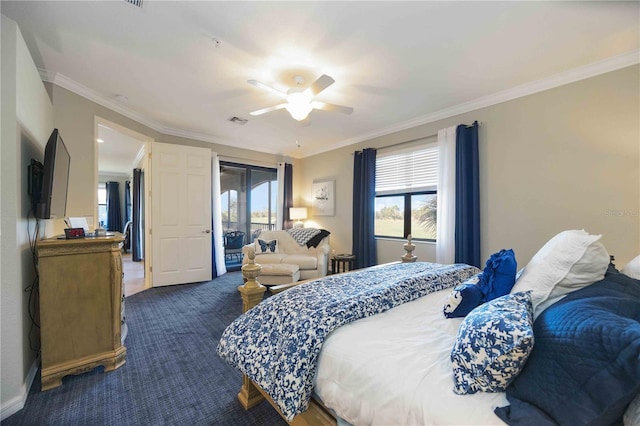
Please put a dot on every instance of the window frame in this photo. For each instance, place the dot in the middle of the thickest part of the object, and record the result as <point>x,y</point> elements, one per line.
<point>407,215</point>
<point>428,187</point>
<point>248,188</point>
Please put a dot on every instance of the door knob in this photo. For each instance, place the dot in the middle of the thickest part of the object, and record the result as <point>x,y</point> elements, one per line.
<point>207,231</point>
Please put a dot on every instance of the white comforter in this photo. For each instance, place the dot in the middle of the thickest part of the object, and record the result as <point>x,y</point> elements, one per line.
<point>394,369</point>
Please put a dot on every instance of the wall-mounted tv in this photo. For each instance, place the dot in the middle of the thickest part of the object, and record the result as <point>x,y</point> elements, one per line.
<point>55,179</point>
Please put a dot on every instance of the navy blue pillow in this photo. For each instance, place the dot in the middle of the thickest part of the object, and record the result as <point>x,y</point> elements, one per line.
<point>464,298</point>
<point>499,275</point>
<point>585,365</point>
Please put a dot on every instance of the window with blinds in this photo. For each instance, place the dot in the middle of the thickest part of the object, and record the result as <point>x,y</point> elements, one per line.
<point>412,171</point>
<point>406,193</point>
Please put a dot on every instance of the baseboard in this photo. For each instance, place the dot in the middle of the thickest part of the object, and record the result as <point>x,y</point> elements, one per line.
<point>16,404</point>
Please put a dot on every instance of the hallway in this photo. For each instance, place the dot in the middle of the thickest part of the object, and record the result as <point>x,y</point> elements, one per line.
<point>133,275</point>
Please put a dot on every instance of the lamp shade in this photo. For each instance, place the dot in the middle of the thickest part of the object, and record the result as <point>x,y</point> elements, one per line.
<point>297,213</point>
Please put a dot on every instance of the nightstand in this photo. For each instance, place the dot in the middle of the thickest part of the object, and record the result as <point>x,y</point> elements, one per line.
<point>343,263</point>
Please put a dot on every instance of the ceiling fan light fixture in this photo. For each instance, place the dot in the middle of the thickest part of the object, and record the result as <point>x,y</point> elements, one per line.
<point>298,105</point>
<point>300,102</point>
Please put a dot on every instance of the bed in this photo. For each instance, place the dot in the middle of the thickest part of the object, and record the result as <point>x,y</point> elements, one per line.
<point>388,356</point>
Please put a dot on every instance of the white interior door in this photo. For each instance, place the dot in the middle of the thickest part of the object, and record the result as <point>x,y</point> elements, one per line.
<point>181,214</point>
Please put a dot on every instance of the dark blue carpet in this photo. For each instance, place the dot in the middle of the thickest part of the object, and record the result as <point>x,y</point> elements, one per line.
<point>172,375</point>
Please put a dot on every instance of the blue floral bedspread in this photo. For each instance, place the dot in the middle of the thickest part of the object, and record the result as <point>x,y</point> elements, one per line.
<point>276,344</point>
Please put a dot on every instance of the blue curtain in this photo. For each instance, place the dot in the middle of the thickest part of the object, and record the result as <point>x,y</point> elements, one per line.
<point>114,213</point>
<point>127,215</point>
<point>137,207</point>
<point>467,229</point>
<point>364,194</point>
<point>127,201</point>
<point>288,195</point>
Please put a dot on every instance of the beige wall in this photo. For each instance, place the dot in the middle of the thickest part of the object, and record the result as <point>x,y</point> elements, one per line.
<point>27,121</point>
<point>565,158</point>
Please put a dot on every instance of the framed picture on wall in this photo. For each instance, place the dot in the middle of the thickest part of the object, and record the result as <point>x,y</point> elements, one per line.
<point>323,198</point>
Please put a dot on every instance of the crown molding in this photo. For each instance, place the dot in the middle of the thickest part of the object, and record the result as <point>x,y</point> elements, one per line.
<point>113,174</point>
<point>557,80</point>
<point>90,94</point>
<point>570,76</point>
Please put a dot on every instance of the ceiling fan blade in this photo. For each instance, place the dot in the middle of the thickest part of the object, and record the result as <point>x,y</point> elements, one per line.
<point>331,107</point>
<point>320,84</point>
<point>273,90</point>
<point>266,110</point>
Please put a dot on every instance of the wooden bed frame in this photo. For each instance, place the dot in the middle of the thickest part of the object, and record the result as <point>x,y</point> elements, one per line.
<point>252,293</point>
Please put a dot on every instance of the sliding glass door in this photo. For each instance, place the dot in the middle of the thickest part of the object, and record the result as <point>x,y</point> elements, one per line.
<point>249,198</point>
<point>234,197</point>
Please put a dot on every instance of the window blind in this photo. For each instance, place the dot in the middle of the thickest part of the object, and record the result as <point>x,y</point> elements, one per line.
<point>407,171</point>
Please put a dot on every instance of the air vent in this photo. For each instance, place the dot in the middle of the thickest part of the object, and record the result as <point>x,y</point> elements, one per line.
<point>238,120</point>
<point>137,3</point>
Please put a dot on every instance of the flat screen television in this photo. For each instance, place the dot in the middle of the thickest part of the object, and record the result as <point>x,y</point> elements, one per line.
<point>55,179</point>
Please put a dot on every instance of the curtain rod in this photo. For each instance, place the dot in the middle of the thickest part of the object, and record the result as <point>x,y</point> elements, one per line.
<point>247,161</point>
<point>409,141</point>
<point>420,138</point>
<point>401,143</point>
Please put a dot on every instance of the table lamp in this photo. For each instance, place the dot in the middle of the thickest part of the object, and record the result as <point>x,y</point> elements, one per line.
<point>298,214</point>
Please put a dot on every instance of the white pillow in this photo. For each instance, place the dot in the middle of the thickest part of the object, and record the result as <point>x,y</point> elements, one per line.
<point>632,269</point>
<point>567,262</point>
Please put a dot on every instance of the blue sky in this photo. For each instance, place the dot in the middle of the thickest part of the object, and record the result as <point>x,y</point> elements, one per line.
<point>259,200</point>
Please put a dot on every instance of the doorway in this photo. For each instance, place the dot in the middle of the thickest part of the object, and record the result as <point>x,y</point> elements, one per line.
<point>249,205</point>
<point>122,158</point>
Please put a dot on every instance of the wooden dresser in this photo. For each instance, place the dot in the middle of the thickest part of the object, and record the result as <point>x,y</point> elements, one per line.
<point>80,306</point>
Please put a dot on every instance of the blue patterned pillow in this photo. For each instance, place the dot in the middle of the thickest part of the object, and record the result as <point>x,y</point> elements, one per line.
<point>263,246</point>
<point>493,344</point>
<point>463,298</point>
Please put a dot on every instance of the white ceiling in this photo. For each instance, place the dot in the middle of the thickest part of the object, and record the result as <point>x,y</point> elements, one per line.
<point>398,64</point>
<point>118,153</point>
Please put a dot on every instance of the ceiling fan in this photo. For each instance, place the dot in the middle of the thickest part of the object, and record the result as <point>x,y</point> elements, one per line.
<point>300,101</point>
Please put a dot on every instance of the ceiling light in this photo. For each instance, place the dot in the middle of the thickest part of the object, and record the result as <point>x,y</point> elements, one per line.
<point>298,105</point>
<point>99,140</point>
<point>300,101</point>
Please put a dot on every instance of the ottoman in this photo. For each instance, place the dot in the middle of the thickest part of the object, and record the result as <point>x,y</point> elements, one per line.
<point>279,273</point>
